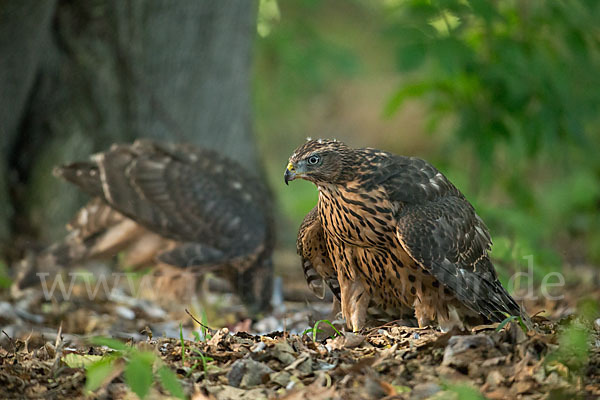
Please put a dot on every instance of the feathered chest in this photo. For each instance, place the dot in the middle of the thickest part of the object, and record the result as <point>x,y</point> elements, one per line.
<point>358,217</point>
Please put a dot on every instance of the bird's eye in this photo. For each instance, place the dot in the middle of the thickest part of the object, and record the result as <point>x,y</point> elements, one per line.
<point>313,160</point>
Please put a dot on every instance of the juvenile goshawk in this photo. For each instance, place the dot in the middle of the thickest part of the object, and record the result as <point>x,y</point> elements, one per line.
<point>395,231</point>
<point>176,204</point>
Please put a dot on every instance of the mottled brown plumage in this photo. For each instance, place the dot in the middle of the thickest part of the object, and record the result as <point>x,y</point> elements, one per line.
<point>178,204</point>
<point>319,271</point>
<point>316,263</point>
<point>399,234</point>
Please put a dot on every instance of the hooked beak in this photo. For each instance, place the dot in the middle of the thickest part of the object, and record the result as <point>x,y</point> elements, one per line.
<point>290,173</point>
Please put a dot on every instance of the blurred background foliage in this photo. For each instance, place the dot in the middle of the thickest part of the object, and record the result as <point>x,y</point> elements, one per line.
<point>502,96</point>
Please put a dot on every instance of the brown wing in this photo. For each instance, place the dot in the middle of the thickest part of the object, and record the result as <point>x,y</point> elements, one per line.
<point>193,196</point>
<point>312,248</point>
<point>440,230</point>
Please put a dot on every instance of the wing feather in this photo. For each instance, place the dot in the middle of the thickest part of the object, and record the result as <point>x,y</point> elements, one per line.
<point>181,192</point>
<point>441,231</point>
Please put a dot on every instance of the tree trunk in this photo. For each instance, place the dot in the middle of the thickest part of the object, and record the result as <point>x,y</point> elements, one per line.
<point>78,76</point>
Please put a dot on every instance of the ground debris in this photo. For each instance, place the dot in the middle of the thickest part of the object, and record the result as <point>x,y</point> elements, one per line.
<point>248,373</point>
<point>461,350</point>
<point>413,364</point>
<point>387,361</point>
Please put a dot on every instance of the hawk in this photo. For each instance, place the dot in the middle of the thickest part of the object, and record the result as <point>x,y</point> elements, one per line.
<point>394,231</point>
<point>178,205</point>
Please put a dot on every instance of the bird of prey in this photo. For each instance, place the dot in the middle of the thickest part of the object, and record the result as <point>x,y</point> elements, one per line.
<point>395,231</point>
<point>174,204</point>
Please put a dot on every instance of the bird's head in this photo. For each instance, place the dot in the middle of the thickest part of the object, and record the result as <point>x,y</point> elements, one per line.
<point>320,161</point>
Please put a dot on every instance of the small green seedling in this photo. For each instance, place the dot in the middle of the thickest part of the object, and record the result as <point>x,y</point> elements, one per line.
<point>182,344</point>
<point>204,326</point>
<point>315,329</point>
<point>201,360</point>
<point>510,318</point>
<point>197,336</point>
<point>205,330</point>
<point>138,369</point>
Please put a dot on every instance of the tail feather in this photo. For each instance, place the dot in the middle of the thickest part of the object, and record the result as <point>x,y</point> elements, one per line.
<point>313,279</point>
<point>505,306</point>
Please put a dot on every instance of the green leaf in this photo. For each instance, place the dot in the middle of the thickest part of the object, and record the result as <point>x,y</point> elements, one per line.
<point>97,372</point>
<point>450,54</point>
<point>169,381</point>
<point>80,360</point>
<point>505,322</point>
<point>402,389</point>
<point>588,308</point>
<point>197,337</point>
<point>575,342</point>
<point>421,10</point>
<point>203,358</point>
<point>465,392</point>
<point>315,328</point>
<point>138,373</point>
<point>406,92</point>
<point>110,343</point>
<point>205,331</point>
<point>411,56</point>
<point>573,348</point>
<point>483,8</point>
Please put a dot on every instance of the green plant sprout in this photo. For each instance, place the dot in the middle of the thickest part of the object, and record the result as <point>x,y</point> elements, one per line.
<point>575,340</point>
<point>315,329</point>
<point>204,326</point>
<point>139,367</point>
<point>510,318</point>
<point>182,341</point>
<point>197,336</point>
<point>200,360</point>
<point>204,329</point>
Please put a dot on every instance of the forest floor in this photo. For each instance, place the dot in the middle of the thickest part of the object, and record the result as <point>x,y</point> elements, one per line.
<point>117,346</point>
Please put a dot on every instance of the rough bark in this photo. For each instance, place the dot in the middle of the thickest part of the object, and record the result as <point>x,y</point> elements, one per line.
<point>77,76</point>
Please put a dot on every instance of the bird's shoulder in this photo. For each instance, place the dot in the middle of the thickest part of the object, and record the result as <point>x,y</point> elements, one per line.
<point>405,179</point>
<point>309,228</point>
